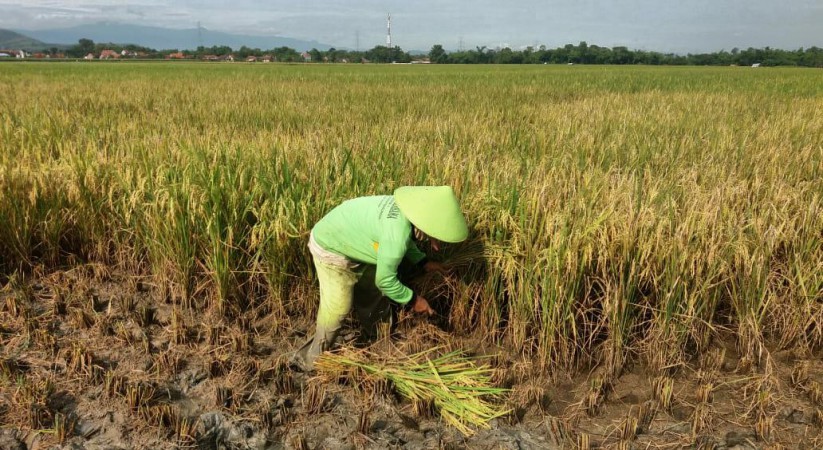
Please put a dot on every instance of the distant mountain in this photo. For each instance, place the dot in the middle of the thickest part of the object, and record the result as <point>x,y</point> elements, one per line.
<point>165,38</point>
<point>14,41</point>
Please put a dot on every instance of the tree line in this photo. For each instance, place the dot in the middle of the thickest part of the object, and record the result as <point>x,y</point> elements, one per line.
<point>378,54</point>
<point>568,54</point>
<point>593,54</point>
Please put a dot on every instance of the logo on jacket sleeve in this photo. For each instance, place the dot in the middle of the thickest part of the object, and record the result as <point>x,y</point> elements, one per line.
<point>394,212</point>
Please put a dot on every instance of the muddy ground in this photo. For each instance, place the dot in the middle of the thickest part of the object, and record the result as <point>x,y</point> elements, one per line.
<point>100,360</point>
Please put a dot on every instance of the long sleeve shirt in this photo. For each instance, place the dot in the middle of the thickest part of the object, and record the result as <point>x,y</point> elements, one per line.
<point>372,230</point>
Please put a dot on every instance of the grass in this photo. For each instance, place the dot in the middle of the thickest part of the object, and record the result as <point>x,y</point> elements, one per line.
<point>616,214</point>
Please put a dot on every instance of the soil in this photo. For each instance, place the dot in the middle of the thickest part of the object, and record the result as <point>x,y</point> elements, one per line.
<point>130,369</point>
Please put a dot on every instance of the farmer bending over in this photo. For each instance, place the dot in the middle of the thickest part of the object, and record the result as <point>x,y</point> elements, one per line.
<point>358,247</point>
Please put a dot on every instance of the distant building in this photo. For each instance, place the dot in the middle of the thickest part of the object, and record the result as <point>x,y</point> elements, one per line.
<point>306,56</point>
<point>755,65</point>
<point>251,58</point>
<point>89,57</point>
<point>8,53</point>
<point>109,54</point>
<point>211,58</point>
<point>266,58</point>
<point>177,55</point>
<point>228,58</point>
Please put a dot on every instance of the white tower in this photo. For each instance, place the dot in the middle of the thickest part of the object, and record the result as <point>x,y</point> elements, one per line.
<point>388,31</point>
<point>199,34</point>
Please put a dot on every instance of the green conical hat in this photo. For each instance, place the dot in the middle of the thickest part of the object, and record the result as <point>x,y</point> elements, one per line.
<point>434,210</point>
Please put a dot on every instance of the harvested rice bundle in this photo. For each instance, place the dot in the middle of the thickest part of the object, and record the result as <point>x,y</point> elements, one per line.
<point>459,389</point>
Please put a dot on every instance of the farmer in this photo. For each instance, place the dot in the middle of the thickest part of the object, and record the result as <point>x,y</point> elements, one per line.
<point>358,247</point>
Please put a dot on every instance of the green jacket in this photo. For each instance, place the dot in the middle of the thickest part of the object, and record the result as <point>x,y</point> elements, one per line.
<point>372,230</point>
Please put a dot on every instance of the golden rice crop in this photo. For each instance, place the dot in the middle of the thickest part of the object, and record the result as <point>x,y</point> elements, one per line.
<point>618,211</point>
<point>458,388</point>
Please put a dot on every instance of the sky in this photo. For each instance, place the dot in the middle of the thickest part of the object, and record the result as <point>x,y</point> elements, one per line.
<point>664,25</point>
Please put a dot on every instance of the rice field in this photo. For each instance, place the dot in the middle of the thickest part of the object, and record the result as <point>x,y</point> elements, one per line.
<point>620,218</point>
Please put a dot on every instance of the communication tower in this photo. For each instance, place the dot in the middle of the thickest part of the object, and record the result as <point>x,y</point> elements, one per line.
<point>388,31</point>
<point>199,34</point>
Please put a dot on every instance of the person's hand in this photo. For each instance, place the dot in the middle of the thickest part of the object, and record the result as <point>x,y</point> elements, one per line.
<point>421,305</point>
<point>434,266</point>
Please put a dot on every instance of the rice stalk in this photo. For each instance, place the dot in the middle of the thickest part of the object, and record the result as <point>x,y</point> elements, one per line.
<point>454,384</point>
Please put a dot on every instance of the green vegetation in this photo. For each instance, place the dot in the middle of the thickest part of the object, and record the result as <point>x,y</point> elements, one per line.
<point>624,213</point>
<point>581,53</point>
<point>594,54</point>
<point>378,54</point>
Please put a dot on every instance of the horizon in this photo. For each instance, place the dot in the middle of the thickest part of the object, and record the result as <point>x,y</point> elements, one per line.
<point>412,50</point>
<point>701,27</point>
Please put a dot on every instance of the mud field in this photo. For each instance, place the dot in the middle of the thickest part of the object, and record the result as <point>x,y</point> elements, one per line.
<point>100,360</point>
